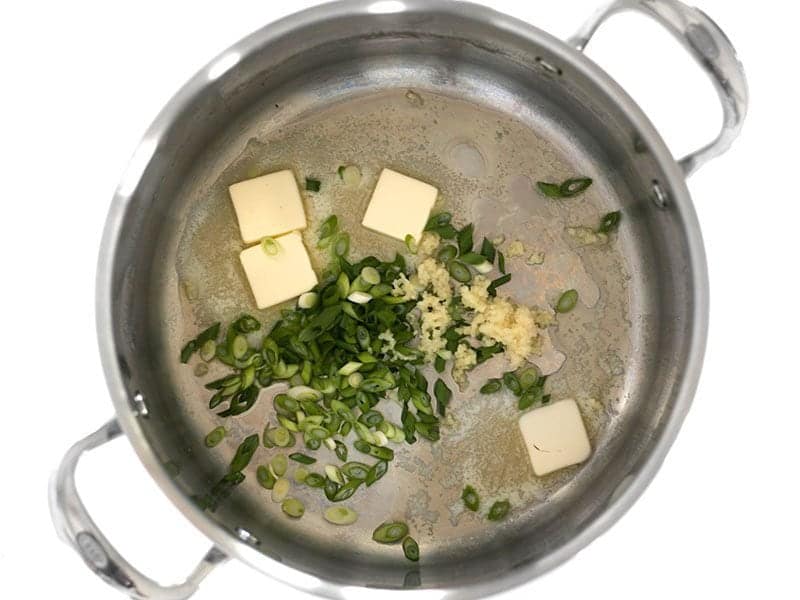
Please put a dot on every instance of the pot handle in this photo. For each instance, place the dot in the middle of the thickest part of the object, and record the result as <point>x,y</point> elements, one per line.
<point>77,529</point>
<point>709,46</point>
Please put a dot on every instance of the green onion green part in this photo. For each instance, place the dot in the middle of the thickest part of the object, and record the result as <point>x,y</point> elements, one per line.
<point>470,498</point>
<point>492,386</point>
<point>567,301</point>
<point>610,222</point>
<point>411,549</point>
<point>302,458</point>
<point>390,533</point>
<point>499,510</point>
<point>293,508</point>
<point>270,246</point>
<point>215,436</point>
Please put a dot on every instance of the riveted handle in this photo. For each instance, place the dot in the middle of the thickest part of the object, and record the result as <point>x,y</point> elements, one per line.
<point>712,50</point>
<point>77,529</point>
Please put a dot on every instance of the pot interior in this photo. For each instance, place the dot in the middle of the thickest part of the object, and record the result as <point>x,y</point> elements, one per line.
<point>483,111</point>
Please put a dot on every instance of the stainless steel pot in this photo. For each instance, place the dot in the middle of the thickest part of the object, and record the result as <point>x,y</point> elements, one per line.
<point>482,103</point>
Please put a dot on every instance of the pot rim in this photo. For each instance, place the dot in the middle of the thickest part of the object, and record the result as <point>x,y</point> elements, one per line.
<point>633,485</point>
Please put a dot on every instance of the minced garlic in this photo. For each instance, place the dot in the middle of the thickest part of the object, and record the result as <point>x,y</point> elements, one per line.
<point>586,236</point>
<point>500,320</point>
<point>536,258</point>
<point>428,244</point>
<point>434,319</point>
<point>515,249</point>
<point>490,319</point>
<point>463,360</point>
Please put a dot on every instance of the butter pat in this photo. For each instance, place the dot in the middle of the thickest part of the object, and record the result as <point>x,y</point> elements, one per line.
<point>267,206</point>
<point>555,437</point>
<point>279,277</point>
<point>400,206</point>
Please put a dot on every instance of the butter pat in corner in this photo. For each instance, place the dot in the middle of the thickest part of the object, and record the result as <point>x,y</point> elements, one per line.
<point>267,206</point>
<point>275,278</point>
<point>555,437</point>
<point>400,206</point>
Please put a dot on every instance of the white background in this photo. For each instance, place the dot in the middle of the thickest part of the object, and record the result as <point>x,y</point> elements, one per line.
<point>81,82</point>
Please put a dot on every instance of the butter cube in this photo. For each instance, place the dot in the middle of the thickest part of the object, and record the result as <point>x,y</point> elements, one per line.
<point>555,437</point>
<point>279,277</point>
<point>267,206</point>
<point>400,205</point>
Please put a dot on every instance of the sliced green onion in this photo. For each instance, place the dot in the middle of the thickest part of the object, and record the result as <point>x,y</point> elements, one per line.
<point>279,464</point>
<point>208,350</point>
<point>265,478</point>
<point>340,450</point>
<point>281,489</point>
<point>373,450</point>
<point>390,533</point>
<point>380,290</point>
<point>342,244</point>
<point>293,507</point>
<point>329,227</point>
<point>379,469</point>
<point>473,259</point>
<point>355,470</point>
<point>488,250</point>
<point>438,220</point>
<point>302,458</point>
<point>470,498</point>
<point>380,438</point>
<point>300,474</point>
<point>567,301</point>
<point>411,243</point>
<point>346,491</point>
<point>350,368</point>
<point>314,480</point>
<point>502,280</point>
<point>529,398</point>
<point>270,246</point>
<point>371,275</point>
<point>501,262</point>
<point>512,383</point>
<point>528,378</point>
<point>340,515</point>
<point>459,271</point>
<point>573,187</point>
<point>313,185</point>
<point>499,510</point>
<point>244,453</point>
<point>359,297</point>
<point>354,380</point>
<point>443,396</point>
<point>351,175</point>
<point>308,300</point>
<point>411,549</point>
<point>343,285</point>
<point>303,392</point>
<point>484,267</point>
<point>215,436</point>
<point>334,474</point>
<point>551,190</point>
<point>239,347</point>
<point>567,189</point>
<point>610,222</point>
<point>446,254</point>
<point>288,424</point>
<point>464,239</point>
<point>281,437</point>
